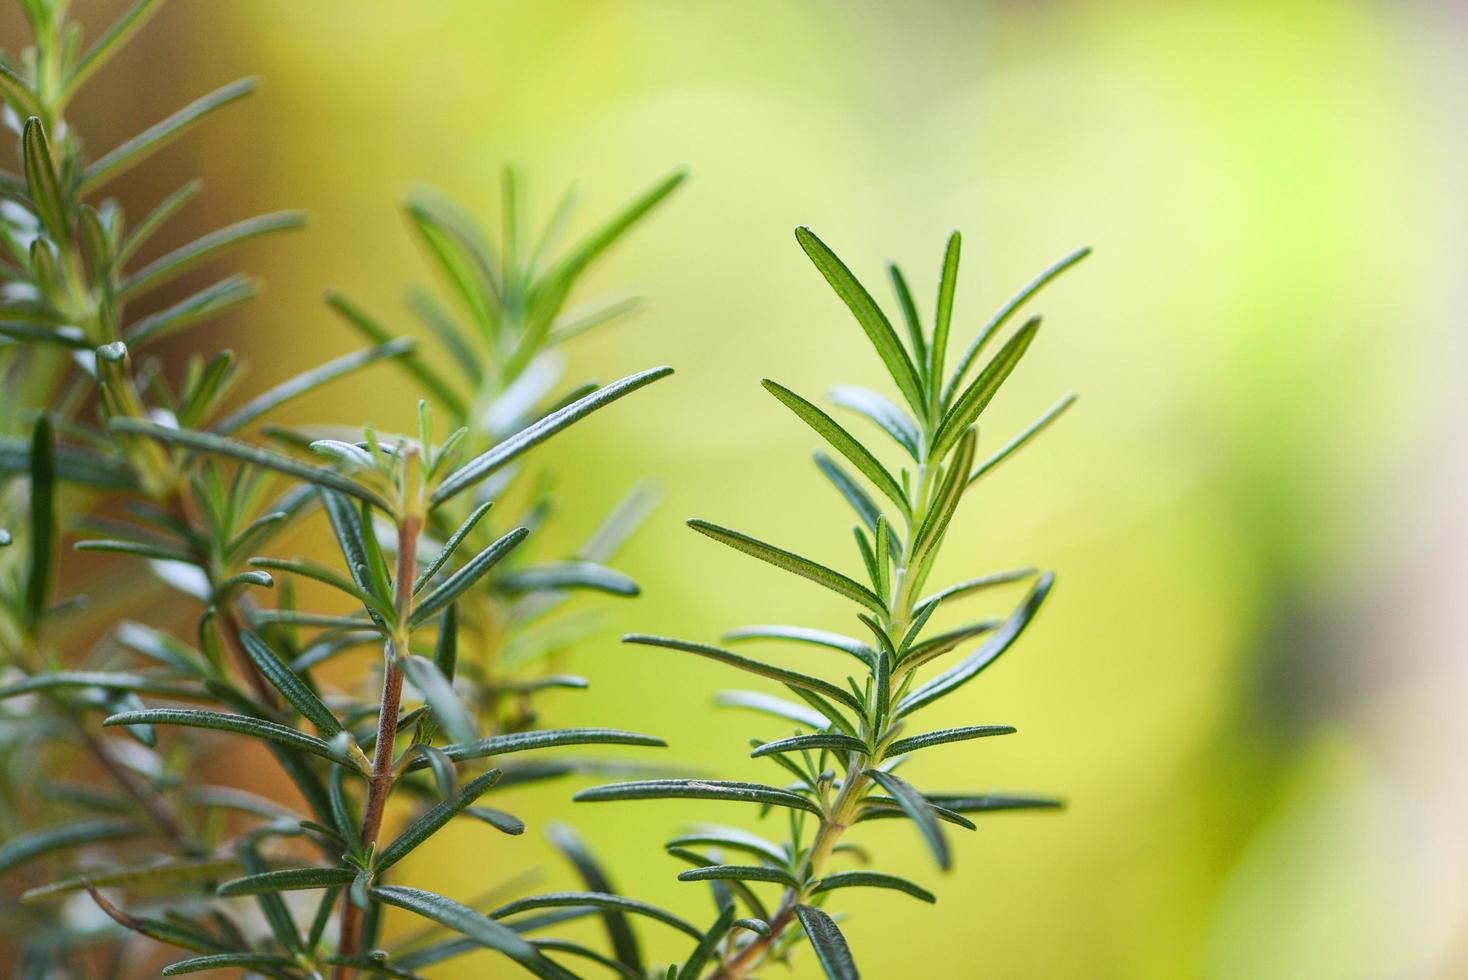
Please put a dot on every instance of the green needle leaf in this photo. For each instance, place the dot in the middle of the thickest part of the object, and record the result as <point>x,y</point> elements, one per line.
<point>287,880</point>
<point>740,872</point>
<point>43,523</point>
<point>1020,441</point>
<point>221,446</point>
<point>597,900</point>
<point>871,879</point>
<point>290,685</point>
<point>223,722</point>
<point>548,738</point>
<point>790,677</point>
<point>431,822</point>
<point>309,381</point>
<point>829,944</point>
<point>462,919</point>
<point>42,182</point>
<point>169,267</point>
<point>878,328</point>
<point>966,669</point>
<point>159,135</point>
<point>915,742</point>
<point>697,789</point>
<point>822,740</point>
<point>919,810</point>
<point>843,442</point>
<point>793,563</point>
<point>486,463</point>
<point>230,961</point>
<point>994,325</point>
<point>459,582</point>
<point>976,397</point>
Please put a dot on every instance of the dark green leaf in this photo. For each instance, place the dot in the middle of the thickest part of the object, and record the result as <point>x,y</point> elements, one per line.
<point>220,721</point>
<point>793,563</point>
<point>843,442</point>
<point>871,879</point>
<point>290,685</point>
<point>289,879</point>
<point>451,545</point>
<point>919,810</point>
<point>878,328</point>
<point>994,325</point>
<point>598,900</point>
<point>829,944</point>
<point>821,740</point>
<point>486,463</point>
<point>697,789</point>
<point>780,674</point>
<point>915,742</point>
<point>993,802</point>
<point>966,669</point>
<point>910,319</point>
<point>526,741</point>
<point>740,872</point>
<point>433,820</point>
<point>169,267</point>
<point>701,954</point>
<point>462,919</point>
<point>43,523</point>
<point>456,584</point>
<point>976,397</point>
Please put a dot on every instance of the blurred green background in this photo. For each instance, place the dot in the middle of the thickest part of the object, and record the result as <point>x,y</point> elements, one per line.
<point>1247,682</point>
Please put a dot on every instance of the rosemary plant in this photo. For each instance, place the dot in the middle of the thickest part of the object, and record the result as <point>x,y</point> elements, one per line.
<point>839,765</point>
<point>162,842</point>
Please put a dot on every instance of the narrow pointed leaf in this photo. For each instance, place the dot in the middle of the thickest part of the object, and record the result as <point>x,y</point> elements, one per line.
<point>873,321</point>
<point>1020,441</point>
<point>976,397</point>
<point>290,685</point>
<point>793,563</point>
<point>1009,309</point>
<point>943,319</point>
<point>843,442</point>
<point>43,523</point>
<point>160,134</point>
<point>915,742</point>
<point>45,840</point>
<point>964,671</point>
<point>829,944</point>
<point>451,545</point>
<point>597,900</point>
<point>790,677</point>
<point>547,738</point>
<point>740,872</point>
<point>483,465</point>
<point>766,704</point>
<point>286,880</point>
<point>169,267</point>
<point>458,583</point>
<point>309,381</point>
<point>42,181</point>
<point>551,576</point>
<point>697,789</point>
<point>230,961</point>
<point>223,722</point>
<point>430,822</point>
<point>871,879</point>
<point>919,810</point>
<point>462,919</point>
<point>222,446</point>
<point>800,743</point>
<point>438,692</point>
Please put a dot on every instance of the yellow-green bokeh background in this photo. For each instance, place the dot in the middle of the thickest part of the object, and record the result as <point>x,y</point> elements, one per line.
<point>1245,683</point>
